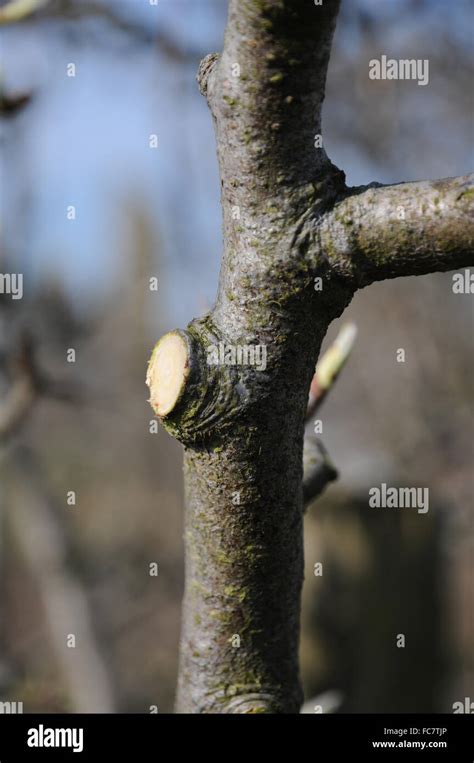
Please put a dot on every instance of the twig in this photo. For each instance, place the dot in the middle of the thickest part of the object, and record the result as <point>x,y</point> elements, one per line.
<point>12,104</point>
<point>28,384</point>
<point>24,390</point>
<point>330,366</point>
<point>65,9</point>
<point>17,10</point>
<point>318,470</point>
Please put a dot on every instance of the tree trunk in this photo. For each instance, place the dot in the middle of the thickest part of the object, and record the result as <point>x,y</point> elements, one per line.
<point>297,245</point>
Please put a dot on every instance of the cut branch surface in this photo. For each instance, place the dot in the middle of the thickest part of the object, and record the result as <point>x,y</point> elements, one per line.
<point>168,372</point>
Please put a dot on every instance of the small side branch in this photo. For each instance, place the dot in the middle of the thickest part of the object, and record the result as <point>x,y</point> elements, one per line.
<point>318,470</point>
<point>28,384</point>
<point>401,230</point>
<point>330,366</point>
<point>19,399</point>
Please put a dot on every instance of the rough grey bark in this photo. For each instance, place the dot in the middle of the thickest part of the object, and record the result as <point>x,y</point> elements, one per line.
<point>288,219</point>
<point>400,230</point>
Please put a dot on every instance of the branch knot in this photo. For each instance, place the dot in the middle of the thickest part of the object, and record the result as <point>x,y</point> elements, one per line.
<point>205,68</point>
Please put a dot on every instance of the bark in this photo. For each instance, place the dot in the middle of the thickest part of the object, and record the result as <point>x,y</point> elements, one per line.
<point>242,427</point>
<point>401,230</point>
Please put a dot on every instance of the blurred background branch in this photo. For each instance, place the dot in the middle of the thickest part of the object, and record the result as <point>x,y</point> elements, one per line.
<point>44,548</point>
<point>30,521</point>
<point>17,10</point>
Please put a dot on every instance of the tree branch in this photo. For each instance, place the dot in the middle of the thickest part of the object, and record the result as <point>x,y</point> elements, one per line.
<point>271,109</point>
<point>318,469</point>
<point>28,384</point>
<point>17,10</point>
<point>266,92</point>
<point>330,366</point>
<point>284,208</point>
<point>21,395</point>
<point>401,230</point>
<point>42,542</point>
<point>244,443</point>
